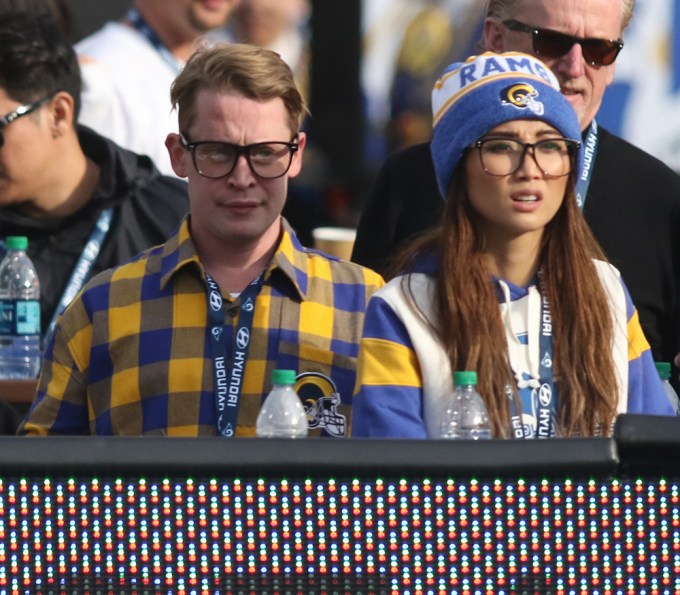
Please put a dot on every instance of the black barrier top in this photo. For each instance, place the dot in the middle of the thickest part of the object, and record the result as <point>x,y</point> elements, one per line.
<point>491,458</point>
<point>640,443</point>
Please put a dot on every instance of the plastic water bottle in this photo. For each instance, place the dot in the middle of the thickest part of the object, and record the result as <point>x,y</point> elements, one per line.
<point>664,370</point>
<point>282,414</point>
<point>19,312</point>
<point>464,415</point>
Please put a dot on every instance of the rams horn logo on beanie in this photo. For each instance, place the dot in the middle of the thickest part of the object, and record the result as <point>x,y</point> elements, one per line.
<point>522,96</point>
<point>473,97</point>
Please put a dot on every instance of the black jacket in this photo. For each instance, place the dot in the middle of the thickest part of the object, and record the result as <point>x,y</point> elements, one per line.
<point>632,206</point>
<point>148,207</point>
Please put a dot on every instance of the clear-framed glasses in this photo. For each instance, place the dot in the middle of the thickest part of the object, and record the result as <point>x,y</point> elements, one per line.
<point>504,156</point>
<point>213,159</point>
<point>22,110</point>
<point>553,44</point>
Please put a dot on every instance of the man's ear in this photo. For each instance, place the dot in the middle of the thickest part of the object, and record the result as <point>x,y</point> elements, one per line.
<point>179,156</point>
<point>296,163</point>
<point>61,113</point>
<point>493,35</point>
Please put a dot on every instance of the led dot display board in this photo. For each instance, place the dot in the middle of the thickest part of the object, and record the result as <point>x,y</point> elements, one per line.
<point>204,516</point>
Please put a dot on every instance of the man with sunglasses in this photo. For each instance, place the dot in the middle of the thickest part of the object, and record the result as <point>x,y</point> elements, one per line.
<point>183,339</point>
<point>630,199</point>
<point>84,203</point>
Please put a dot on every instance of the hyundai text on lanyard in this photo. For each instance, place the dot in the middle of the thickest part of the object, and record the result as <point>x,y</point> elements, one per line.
<point>228,368</point>
<point>589,151</point>
<point>545,392</point>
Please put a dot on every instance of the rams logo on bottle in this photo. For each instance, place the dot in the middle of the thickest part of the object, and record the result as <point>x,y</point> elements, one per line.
<point>522,96</point>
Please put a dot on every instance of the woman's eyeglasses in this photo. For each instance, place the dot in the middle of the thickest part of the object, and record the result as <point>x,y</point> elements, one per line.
<point>504,156</point>
<point>553,44</point>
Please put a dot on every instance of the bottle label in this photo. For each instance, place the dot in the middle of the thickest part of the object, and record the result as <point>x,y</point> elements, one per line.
<point>19,317</point>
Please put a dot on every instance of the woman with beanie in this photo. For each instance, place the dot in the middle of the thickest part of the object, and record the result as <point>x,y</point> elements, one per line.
<point>512,284</point>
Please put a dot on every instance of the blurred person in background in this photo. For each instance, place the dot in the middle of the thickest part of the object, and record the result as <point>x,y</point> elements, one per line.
<point>280,26</point>
<point>84,203</point>
<point>129,65</point>
<point>405,44</point>
<point>426,44</point>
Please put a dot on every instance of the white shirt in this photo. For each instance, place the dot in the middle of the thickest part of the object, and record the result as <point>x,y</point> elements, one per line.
<point>126,91</point>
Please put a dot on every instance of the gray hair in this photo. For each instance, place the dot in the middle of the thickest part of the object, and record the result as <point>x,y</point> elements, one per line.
<point>502,9</point>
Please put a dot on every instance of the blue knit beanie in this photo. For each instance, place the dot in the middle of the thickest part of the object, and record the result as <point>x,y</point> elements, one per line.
<point>472,97</point>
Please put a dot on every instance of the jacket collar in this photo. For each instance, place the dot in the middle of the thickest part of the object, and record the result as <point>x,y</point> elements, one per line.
<point>121,172</point>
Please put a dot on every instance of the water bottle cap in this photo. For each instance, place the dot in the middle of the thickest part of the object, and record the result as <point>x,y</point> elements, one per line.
<point>16,242</point>
<point>284,377</point>
<point>664,369</point>
<point>464,377</point>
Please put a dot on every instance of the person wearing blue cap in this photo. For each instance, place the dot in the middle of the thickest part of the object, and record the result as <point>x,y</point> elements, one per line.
<point>512,284</point>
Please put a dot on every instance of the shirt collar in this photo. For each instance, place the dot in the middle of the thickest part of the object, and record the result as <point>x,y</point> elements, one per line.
<point>290,259</point>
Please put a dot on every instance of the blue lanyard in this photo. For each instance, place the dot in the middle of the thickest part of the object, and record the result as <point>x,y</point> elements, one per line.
<point>545,393</point>
<point>145,29</point>
<point>590,150</point>
<point>83,267</point>
<point>228,368</point>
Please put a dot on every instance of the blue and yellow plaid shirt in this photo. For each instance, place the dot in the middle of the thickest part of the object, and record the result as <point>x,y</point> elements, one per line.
<point>131,354</point>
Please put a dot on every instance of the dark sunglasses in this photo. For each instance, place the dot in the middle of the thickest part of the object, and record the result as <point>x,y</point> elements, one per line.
<point>553,44</point>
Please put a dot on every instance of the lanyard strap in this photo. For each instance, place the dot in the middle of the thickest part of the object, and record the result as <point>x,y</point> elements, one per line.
<point>546,402</point>
<point>83,267</point>
<point>544,395</point>
<point>228,368</point>
<point>139,23</point>
<point>590,150</point>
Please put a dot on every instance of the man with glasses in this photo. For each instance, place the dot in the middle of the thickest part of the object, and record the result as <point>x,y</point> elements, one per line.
<point>183,339</point>
<point>84,203</point>
<point>630,199</point>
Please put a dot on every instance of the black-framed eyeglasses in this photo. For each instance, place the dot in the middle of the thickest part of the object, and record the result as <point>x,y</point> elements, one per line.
<point>22,110</point>
<point>213,159</point>
<point>499,156</point>
<point>553,44</point>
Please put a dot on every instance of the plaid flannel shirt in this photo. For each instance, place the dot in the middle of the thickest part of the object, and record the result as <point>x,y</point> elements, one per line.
<point>131,354</point>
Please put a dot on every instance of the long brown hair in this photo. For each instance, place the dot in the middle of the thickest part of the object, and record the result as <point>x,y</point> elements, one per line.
<point>468,320</point>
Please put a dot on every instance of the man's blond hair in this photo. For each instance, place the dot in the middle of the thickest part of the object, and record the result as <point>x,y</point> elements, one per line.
<point>249,70</point>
